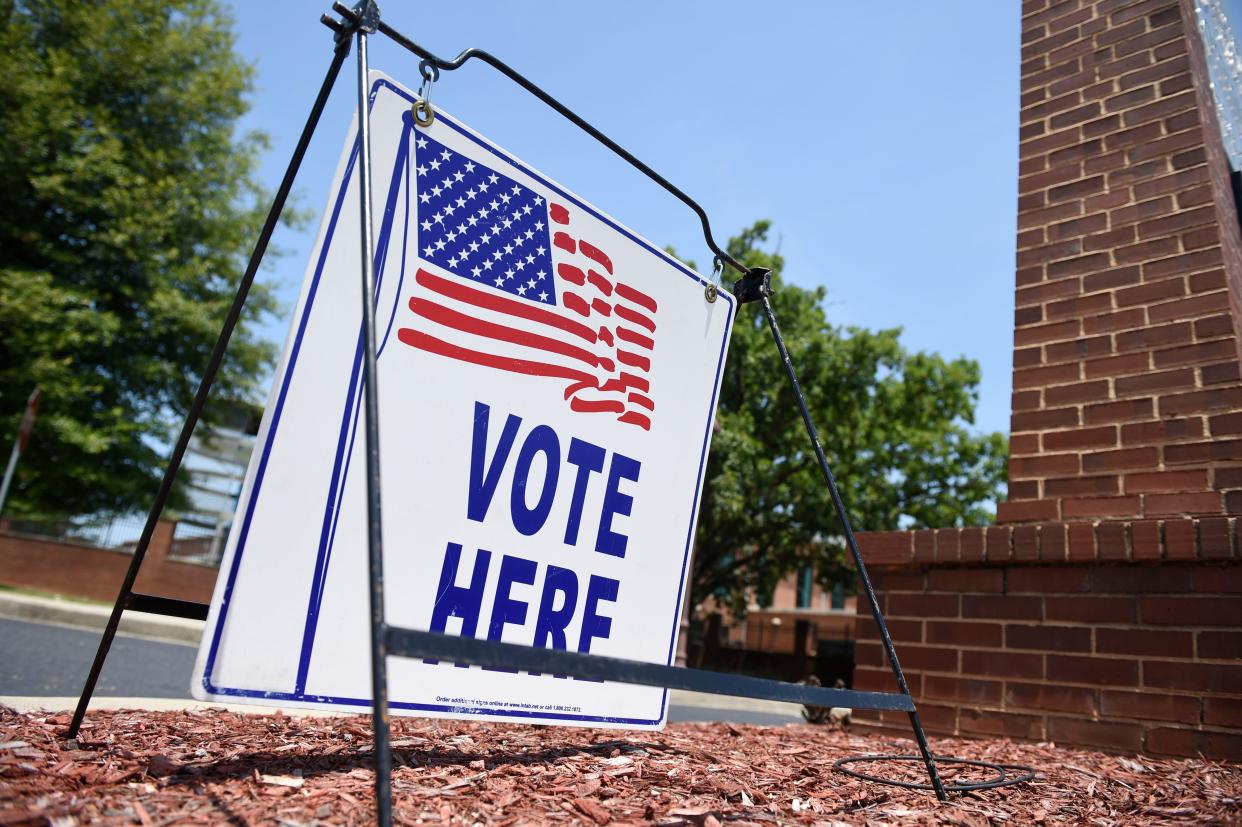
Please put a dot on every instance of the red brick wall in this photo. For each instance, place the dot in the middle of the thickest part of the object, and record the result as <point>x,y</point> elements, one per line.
<point>1127,396</point>
<point>82,571</point>
<point>1121,636</point>
<point>1106,608</point>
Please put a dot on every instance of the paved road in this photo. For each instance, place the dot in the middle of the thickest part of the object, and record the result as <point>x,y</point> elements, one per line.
<point>52,661</point>
<point>38,660</point>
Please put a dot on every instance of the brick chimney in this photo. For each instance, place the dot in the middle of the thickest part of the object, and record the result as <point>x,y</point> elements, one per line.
<point>1105,608</point>
<point>1127,395</point>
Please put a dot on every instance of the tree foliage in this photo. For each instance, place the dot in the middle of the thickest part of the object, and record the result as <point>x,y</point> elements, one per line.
<point>894,424</point>
<point>127,205</point>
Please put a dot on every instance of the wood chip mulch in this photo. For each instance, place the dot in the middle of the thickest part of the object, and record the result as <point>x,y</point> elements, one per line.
<point>216,767</point>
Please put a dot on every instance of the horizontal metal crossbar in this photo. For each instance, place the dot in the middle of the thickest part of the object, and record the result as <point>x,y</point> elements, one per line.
<point>170,606</point>
<point>412,643</point>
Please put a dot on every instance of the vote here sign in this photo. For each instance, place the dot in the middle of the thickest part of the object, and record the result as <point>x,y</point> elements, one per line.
<point>547,385</point>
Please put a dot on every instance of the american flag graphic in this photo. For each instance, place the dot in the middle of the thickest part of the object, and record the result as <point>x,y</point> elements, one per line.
<point>508,284</point>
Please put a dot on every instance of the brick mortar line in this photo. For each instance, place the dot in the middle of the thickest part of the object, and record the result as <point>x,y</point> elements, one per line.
<point>1139,688</point>
<point>1139,396</point>
<point>1056,282</point>
<point>1115,718</point>
<point>1030,147</point>
<point>1175,29</point>
<point>1140,326</point>
<point>1044,681</point>
<point>1030,710</point>
<point>1094,556</point>
<point>1115,354</point>
<point>1064,625</point>
<point>1093,654</point>
<point>1087,362</point>
<point>1164,117</point>
<point>1124,374</point>
<point>1103,138</point>
<point>1123,126</point>
<point>1035,49</point>
<point>1109,626</point>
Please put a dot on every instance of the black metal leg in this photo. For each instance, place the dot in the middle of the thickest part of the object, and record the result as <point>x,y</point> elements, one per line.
<point>850,541</point>
<point>200,398</point>
<point>375,551</point>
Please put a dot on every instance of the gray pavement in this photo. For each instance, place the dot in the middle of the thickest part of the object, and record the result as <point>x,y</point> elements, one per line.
<point>38,659</point>
<point>46,648</point>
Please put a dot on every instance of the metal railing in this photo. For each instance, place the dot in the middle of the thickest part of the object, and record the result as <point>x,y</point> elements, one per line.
<point>109,531</point>
<point>196,539</point>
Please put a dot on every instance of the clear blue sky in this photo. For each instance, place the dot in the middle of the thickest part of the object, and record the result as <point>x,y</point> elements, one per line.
<point>881,138</point>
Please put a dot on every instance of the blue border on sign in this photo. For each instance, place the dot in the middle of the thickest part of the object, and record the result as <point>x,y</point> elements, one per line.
<point>299,694</point>
<point>353,404</point>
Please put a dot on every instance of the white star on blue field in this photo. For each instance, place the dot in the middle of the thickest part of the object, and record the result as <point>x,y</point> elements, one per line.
<point>480,225</point>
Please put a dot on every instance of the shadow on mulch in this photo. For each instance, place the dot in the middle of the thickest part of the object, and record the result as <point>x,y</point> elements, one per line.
<point>216,767</point>
<point>312,764</point>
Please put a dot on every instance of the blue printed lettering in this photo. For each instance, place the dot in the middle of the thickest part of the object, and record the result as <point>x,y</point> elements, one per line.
<point>483,486</point>
<point>457,601</point>
<point>608,541</point>
<point>551,622</point>
<point>541,439</point>
<point>594,625</point>
<point>504,608</point>
<point>589,459</point>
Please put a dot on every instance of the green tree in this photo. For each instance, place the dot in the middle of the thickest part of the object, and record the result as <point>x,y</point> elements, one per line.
<point>127,206</point>
<point>894,425</point>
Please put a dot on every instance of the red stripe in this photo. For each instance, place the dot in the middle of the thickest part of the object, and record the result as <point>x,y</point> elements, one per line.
<point>580,381</point>
<point>456,290</point>
<point>580,386</point>
<point>634,317</point>
<point>635,418</point>
<point>627,335</point>
<point>626,380</point>
<point>596,254</point>
<point>563,241</point>
<point>468,324</point>
<point>603,284</point>
<point>558,213</point>
<point>596,406</point>
<point>420,340</point>
<point>633,360</point>
<point>571,274</point>
<point>576,303</point>
<point>636,296</point>
<point>633,381</point>
<point>639,399</point>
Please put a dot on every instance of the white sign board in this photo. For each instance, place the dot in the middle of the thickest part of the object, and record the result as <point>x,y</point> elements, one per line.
<point>547,385</point>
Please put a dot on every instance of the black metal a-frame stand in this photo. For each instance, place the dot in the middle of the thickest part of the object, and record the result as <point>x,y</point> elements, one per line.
<point>357,24</point>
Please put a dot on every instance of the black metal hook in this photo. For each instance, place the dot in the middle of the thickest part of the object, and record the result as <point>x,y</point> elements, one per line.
<point>432,60</point>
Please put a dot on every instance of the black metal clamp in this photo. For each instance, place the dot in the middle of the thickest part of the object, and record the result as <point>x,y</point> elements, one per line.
<point>755,285</point>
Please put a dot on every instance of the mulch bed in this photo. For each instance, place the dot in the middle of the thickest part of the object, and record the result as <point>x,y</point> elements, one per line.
<point>219,767</point>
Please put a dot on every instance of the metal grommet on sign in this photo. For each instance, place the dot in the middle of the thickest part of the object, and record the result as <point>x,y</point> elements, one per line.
<point>423,114</point>
<point>713,287</point>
